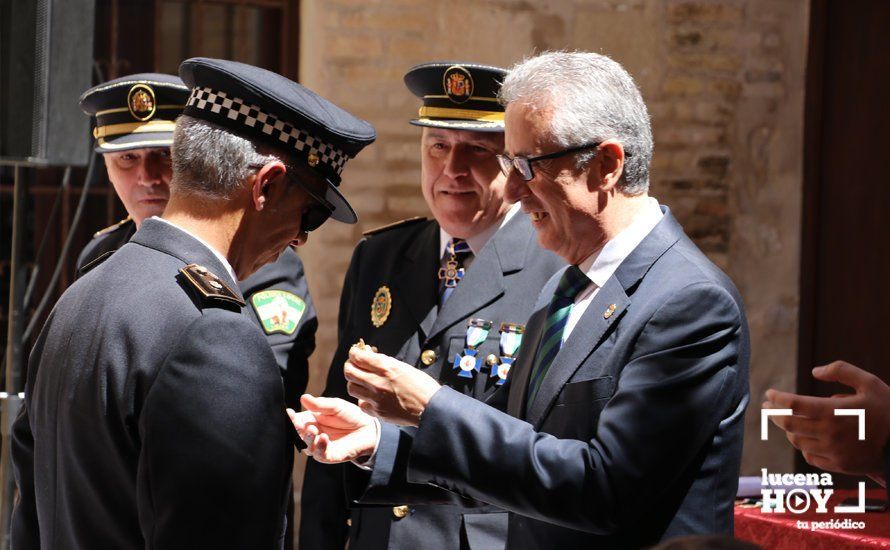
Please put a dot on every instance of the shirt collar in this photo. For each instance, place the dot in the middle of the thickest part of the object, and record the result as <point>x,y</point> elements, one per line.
<point>600,265</point>
<point>479,240</point>
<point>216,253</point>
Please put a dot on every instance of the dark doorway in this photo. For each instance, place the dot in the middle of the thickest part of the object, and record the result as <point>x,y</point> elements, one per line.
<point>845,264</point>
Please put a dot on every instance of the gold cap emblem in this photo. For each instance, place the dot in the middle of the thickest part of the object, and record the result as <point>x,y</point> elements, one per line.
<point>381,305</point>
<point>312,159</point>
<point>141,102</point>
<point>458,84</point>
<point>428,357</point>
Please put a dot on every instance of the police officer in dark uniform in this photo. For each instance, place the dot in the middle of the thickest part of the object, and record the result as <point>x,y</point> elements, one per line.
<point>146,420</point>
<point>135,118</point>
<point>449,295</point>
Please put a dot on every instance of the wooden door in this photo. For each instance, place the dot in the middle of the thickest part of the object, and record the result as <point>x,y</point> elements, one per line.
<point>845,267</point>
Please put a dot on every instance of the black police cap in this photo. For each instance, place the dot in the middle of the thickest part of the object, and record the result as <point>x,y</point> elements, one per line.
<point>135,111</point>
<point>458,96</point>
<point>264,106</point>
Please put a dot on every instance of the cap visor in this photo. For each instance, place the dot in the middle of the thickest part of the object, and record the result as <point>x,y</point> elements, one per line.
<point>458,124</point>
<point>343,212</point>
<point>127,142</point>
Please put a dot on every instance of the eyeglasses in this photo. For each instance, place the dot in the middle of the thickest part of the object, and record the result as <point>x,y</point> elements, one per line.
<point>317,212</point>
<point>523,165</point>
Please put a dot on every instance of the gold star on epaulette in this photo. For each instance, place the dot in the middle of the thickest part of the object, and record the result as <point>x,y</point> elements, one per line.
<point>209,285</point>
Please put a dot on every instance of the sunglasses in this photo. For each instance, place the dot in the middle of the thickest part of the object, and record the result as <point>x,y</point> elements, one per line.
<point>317,212</point>
<point>523,165</point>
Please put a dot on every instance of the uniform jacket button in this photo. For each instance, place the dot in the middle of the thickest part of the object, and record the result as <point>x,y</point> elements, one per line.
<point>428,357</point>
<point>400,511</point>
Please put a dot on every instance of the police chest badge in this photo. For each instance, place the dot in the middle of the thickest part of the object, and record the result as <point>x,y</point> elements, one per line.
<point>469,361</point>
<point>279,311</point>
<point>458,84</point>
<point>381,305</point>
<point>141,102</point>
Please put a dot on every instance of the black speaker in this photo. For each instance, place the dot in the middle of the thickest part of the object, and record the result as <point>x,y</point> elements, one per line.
<point>46,59</point>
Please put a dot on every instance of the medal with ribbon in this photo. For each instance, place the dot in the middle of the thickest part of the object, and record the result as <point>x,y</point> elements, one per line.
<point>511,337</point>
<point>452,273</point>
<point>469,361</point>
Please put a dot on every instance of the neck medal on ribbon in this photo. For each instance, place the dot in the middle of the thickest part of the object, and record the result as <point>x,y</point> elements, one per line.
<point>511,337</point>
<point>451,273</point>
<point>470,362</point>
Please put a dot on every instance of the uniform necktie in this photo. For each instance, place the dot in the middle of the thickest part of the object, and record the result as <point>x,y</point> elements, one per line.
<point>573,281</point>
<point>457,251</point>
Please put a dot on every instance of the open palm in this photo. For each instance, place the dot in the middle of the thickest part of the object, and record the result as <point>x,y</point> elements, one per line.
<point>334,430</point>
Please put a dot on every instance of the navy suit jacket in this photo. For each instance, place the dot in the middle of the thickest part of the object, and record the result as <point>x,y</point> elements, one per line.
<point>635,435</point>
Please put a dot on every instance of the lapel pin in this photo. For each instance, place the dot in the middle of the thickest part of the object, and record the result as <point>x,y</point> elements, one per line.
<point>608,313</point>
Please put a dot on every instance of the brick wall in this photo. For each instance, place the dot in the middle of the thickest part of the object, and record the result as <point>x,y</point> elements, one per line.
<point>724,84</point>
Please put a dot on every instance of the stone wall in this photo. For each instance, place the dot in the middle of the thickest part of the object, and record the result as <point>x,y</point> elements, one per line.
<point>724,81</point>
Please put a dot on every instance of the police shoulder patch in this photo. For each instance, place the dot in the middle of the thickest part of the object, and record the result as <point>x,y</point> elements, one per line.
<point>387,227</point>
<point>209,285</point>
<point>278,310</point>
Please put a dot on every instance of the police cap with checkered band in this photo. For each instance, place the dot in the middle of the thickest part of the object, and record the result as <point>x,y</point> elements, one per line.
<point>458,95</point>
<point>266,107</point>
<point>135,111</point>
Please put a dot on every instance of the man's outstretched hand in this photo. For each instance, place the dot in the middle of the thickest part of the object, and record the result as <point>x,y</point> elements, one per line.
<point>334,430</point>
<point>831,442</point>
<point>388,388</point>
<point>337,431</point>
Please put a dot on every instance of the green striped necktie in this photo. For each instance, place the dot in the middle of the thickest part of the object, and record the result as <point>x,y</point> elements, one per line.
<point>573,281</point>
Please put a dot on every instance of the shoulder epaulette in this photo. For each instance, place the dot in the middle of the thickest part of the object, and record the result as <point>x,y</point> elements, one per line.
<point>95,263</point>
<point>209,285</point>
<point>112,227</point>
<point>401,223</point>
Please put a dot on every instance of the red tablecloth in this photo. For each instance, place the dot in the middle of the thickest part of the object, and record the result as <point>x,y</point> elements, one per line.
<point>783,532</point>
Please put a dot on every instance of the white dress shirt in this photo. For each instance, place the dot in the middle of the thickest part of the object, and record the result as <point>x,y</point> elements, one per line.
<point>600,265</point>
<point>216,253</point>
<point>478,241</point>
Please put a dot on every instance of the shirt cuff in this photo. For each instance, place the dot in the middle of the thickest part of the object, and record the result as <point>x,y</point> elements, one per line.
<point>367,464</point>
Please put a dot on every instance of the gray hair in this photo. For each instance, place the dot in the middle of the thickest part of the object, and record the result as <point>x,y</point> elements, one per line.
<point>592,98</point>
<point>211,162</point>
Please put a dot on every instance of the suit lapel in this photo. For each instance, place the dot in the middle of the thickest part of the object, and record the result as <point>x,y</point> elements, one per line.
<point>584,340</point>
<point>415,285</point>
<point>519,374</point>
<point>587,335</point>
<point>484,281</point>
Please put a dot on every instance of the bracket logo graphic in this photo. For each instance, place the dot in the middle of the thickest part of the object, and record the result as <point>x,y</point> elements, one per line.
<point>806,489</point>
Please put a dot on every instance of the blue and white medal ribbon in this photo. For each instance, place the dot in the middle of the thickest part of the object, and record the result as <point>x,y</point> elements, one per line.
<point>511,338</point>
<point>469,361</point>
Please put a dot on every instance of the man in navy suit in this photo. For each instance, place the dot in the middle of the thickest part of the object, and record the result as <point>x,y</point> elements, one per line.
<point>622,423</point>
